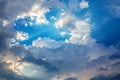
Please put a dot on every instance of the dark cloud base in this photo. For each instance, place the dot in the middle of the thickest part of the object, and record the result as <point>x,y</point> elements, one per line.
<point>110,77</point>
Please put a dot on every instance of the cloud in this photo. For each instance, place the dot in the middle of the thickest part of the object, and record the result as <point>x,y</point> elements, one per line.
<point>22,64</point>
<point>5,39</point>
<point>110,77</point>
<point>114,56</point>
<point>12,62</point>
<point>21,36</point>
<point>40,62</point>
<point>22,9</point>
<point>25,64</point>
<point>47,42</point>
<point>79,30</point>
<point>79,56</point>
<point>84,4</point>
<point>97,50</point>
<point>37,71</point>
<point>6,74</point>
<point>114,8</point>
<point>5,23</point>
<point>71,78</point>
<point>2,9</point>
<point>93,57</point>
<point>37,11</point>
<point>75,7</point>
<point>80,34</point>
<point>59,57</point>
<point>65,20</point>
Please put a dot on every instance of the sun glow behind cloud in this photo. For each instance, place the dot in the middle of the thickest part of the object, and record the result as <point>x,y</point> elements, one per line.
<point>14,63</point>
<point>25,69</point>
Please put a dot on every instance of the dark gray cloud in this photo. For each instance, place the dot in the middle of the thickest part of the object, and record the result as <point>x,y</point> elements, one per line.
<point>110,77</point>
<point>9,9</point>
<point>67,58</point>
<point>71,78</point>
<point>4,40</point>
<point>3,4</point>
<point>115,56</point>
<point>116,64</point>
<point>72,58</point>
<point>40,62</point>
<point>103,69</point>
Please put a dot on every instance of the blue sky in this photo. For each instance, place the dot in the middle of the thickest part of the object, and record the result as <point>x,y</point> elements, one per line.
<point>59,40</point>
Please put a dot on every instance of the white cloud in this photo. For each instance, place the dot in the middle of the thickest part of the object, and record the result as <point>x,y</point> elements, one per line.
<point>5,22</point>
<point>84,4</point>
<point>53,18</point>
<point>63,33</point>
<point>65,20</point>
<point>81,33</point>
<point>47,42</point>
<point>20,9</point>
<point>21,36</point>
<point>37,11</point>
<point>79,29</point>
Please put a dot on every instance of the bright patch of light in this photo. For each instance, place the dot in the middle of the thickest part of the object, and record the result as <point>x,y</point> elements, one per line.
<point>21,36</point>
<point>25,69</point>
<point>13,63</point>
<point>5,23</point>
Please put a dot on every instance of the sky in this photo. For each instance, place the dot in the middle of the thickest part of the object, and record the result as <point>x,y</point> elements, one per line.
<point>59,40</point>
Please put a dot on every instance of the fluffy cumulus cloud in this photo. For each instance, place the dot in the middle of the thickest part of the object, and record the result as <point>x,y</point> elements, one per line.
<point>79,30</point>
<point>22,9</point>
<point>57,40</point>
